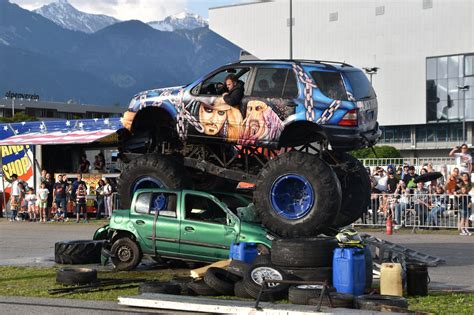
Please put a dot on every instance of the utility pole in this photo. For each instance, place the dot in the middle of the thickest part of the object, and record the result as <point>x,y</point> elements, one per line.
<point>464,89</point>
<point>290,25</point>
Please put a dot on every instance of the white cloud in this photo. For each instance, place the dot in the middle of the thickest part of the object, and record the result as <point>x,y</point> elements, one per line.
<point>144,10</point>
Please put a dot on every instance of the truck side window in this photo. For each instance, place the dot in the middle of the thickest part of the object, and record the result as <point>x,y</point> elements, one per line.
<point>330,84</point>
<point>199,208</point>
<point>275,83</point>
<point>142,203</point>
<point>164,203</point>
<point>215,85</point>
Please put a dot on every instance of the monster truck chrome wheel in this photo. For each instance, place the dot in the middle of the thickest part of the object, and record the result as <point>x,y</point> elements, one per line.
<point>297,195</point>
<point>292,196</point>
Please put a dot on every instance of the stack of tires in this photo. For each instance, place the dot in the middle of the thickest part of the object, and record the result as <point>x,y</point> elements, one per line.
<point>307,259</point>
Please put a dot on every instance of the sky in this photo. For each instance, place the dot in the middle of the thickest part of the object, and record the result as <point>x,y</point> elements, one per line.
<point>144,10</point>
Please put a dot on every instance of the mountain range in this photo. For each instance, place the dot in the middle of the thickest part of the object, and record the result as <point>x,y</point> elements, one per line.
<point>106,66</point>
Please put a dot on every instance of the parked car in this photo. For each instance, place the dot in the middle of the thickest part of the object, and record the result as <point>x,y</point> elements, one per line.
<point>180,224</point>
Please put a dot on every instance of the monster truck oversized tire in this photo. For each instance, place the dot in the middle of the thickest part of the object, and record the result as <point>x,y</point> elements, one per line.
<point>297,195</point>
<point>77,252</point>
<point>355,186</point>
<point>148,172</point>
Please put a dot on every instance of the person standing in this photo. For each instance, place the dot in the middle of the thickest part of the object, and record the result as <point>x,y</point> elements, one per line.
<point>108,198</point>
<point>81,194</point>
<point>99,192</point>
<point>14,197</point>
<point>43,196</point>
<point>30,199</point>
<point>465,206</point>
<point>60,188</point>
<point>48,183</point>
<point>84,165</point>
<point>463,158</point>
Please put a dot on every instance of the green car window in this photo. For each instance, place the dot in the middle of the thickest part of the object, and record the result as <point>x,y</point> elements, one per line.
<point>199,208</point>
<point>142,203</point>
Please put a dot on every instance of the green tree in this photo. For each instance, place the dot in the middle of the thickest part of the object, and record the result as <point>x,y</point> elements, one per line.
<point>384,151</point>
<point>18,117</point>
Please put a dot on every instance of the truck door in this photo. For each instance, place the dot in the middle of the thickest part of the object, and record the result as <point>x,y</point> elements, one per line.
<point>212,117</point>
<point>154,218</point>
<point>206,231</point>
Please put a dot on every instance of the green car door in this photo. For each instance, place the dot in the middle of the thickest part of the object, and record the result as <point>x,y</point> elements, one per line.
<point>207,229</point>
<point>154,218</point>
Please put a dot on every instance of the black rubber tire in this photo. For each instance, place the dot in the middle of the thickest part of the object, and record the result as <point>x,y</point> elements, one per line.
<point>303,252</point>
<point>355,186</point>
<point>300,294</point>
<point>220,280</point>
<point>326,188</point>
<point>338,300</point>
<point>369,267</point>
<point>159,287</point>
<point>78,252</point>
<point>126,254</point>
<point>239,290</point>
<point>238,268</point>
<point>311,274</point>
<point>375,301</point>
<point>252,285</point>
<point>201,288</point>
<point>262,259</point>
<point>75,276</point>
<point>168,170</point>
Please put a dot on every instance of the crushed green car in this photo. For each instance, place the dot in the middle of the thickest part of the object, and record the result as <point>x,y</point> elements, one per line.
<point>181,224</point>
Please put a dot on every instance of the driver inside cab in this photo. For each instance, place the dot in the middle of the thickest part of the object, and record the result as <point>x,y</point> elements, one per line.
<point>235,90</point>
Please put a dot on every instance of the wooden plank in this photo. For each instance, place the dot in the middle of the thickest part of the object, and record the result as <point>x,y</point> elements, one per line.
<point>199,272</point>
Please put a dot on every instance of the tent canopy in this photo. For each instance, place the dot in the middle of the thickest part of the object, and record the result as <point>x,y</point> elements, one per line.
<point>58,131</point>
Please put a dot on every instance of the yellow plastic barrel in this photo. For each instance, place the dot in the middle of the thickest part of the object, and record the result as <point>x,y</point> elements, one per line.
<point>391,279</point>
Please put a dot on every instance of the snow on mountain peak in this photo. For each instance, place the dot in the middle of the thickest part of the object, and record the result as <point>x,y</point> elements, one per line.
<point>65,15</point>
<point>182,20</point>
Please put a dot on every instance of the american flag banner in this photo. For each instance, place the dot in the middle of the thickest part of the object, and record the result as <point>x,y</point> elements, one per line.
<point>58,131</point>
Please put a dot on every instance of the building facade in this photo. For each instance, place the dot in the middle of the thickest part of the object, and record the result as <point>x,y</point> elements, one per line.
<point>56,110</point>
<point>423,51</point>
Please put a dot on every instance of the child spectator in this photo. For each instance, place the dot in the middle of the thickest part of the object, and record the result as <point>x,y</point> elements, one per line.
<point>99,192</point>
<point>81,194</point>
<point>30,199</point>
<point>43,194</point>
<point>60,188</point>
<point>15,197</point>
<point>464,211</point>
<point>23,213</point>
<point>438,206</point>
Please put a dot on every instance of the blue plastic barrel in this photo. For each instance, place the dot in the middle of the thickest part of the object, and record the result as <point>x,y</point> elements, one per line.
<point>243,251</point>
<point>349,270</point>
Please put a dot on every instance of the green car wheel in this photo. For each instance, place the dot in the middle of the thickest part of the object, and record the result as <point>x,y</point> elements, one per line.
<point>126,254</point>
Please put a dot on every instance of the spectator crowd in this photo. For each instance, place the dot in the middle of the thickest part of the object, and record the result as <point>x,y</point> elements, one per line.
<point>54,199</point>
<point>401,192</point>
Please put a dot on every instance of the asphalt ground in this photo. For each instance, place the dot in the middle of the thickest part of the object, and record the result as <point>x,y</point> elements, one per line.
<point>32,244</point>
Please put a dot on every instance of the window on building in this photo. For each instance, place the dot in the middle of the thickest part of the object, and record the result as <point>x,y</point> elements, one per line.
<point>396,134</point>
<point>444,100</point>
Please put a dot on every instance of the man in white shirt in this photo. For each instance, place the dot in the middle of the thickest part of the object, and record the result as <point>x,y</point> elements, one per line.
<point>463,158</point>
<point>381,180</point>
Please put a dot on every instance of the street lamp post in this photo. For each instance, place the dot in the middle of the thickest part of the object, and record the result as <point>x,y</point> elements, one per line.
<point>463,88</point>
<point>371,71</point>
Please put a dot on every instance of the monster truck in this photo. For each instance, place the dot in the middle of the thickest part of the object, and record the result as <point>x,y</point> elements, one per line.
<point>288,137</point>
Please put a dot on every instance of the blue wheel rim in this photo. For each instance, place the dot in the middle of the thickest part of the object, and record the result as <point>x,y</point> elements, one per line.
<point>146,182</point>
<point>292,196</point>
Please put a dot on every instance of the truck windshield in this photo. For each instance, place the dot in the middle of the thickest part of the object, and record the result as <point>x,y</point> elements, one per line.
<point>361,87</point>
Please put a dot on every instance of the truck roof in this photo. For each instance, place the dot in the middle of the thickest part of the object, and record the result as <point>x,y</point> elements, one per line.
<point>336,65</point>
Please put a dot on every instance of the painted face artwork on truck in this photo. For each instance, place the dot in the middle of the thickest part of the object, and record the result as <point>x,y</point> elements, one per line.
<point>220,119</point>
<point>261,124</point>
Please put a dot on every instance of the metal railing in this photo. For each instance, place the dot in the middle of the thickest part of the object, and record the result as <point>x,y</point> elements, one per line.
<point>417,162</point>
<point>417,210</point>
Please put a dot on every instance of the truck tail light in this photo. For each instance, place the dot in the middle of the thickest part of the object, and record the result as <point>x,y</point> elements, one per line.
<point>349,119</point>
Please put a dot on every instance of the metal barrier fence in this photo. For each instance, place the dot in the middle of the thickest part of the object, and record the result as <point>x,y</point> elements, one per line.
<point>417,210</point>
<point>436,161</point>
